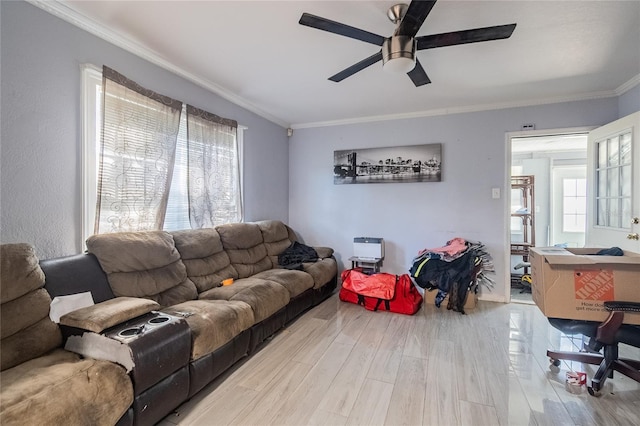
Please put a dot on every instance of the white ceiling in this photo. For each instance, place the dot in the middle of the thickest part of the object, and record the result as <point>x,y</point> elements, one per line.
<point>256,54</point>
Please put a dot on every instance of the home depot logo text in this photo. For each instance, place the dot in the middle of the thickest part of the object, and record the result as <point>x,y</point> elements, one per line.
<point>594,284</point>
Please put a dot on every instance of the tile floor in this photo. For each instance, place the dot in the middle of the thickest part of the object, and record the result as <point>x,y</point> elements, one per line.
<point>339,364</point>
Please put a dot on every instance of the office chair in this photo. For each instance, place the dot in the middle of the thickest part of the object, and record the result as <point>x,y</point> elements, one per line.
<point>603,336</point>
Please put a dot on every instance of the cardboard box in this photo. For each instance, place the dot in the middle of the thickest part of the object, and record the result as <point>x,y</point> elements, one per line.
<point>430,299</point>
<point>574,283</point>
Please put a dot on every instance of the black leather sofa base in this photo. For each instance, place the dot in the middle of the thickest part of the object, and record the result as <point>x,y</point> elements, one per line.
<point>203,370</point>
<point>323,293</point>
<point>299,304</point>
<point>266,328</point>
<point>126,419</point>
<point>155,403</point>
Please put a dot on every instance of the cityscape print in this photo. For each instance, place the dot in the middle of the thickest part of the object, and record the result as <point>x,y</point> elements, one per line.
<point>400,164</point>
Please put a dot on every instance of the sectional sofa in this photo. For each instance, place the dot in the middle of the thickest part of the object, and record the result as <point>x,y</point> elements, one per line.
<point>162,326</point>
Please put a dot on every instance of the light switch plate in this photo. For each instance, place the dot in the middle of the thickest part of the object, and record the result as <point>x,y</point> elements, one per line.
<point>495,192</point>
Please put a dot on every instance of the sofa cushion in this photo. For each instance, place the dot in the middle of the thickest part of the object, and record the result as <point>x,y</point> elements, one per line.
<point>277,237</point>
<point>265,297</point>
<point>213,322</point>
<point>244,244</point>
<point>322,271</point>
<point>25,311</point>
<point>204,257</point>
<point>61,388</point>
<point>143,264</point>
<point>21,271</point>
<point>296,282</point>
<point>29,343</point>
<point>101,316</point>
<point>26,330</point>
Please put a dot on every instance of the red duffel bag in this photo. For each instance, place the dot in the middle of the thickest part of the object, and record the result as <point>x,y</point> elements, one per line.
<point>385,292</point>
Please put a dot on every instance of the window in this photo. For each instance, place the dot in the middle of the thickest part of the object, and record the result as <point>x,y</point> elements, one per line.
<point>177,210</point>
<point>574,205</point>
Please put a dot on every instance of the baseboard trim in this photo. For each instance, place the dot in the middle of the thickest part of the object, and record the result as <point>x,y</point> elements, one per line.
<point>492,298</point>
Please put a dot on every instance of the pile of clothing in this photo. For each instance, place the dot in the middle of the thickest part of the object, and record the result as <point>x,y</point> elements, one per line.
<point>454,270</point>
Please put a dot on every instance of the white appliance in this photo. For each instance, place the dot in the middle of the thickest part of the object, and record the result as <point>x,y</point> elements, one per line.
<point>368,248</point>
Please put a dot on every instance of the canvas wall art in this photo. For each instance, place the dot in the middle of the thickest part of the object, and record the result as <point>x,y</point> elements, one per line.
<point>398,164</point>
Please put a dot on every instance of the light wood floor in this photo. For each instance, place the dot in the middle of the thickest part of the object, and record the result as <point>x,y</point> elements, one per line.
<point>340,364</point>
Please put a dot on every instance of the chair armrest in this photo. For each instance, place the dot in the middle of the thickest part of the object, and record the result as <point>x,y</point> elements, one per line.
<point>607,330</point>
<point>106,314</point>
<point>616,305</point>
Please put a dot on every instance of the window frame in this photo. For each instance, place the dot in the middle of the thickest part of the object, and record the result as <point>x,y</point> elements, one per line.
<point>577,197</point>
<point>601,178</point>
<point>91,85</point>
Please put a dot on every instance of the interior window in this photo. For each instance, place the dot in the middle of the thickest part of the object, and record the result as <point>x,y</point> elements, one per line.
<point>574,205</point>
<point>613,180</point>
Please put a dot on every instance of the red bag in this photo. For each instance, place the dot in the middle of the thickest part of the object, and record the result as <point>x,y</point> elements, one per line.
<point>379,286</point>
<point>405,298</point>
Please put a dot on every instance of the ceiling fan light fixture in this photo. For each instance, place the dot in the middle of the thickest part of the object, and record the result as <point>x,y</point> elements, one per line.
<point>400,65</point>
<point>399,54</point>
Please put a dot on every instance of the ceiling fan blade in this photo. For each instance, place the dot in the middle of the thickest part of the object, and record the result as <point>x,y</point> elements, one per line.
<point>465,36</point>
<point>341,29</point>
<point>415,16</point>
<point>348,72</point>
<point>418,75</point>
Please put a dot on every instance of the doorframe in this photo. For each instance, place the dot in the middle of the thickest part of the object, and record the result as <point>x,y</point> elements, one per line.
<point>506,202</point>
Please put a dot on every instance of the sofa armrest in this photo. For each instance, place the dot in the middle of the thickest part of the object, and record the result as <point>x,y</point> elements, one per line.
<point>324,252</point>
<point>106,314</point>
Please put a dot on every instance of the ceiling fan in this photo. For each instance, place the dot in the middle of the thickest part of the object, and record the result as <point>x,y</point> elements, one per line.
<point>398,53</point>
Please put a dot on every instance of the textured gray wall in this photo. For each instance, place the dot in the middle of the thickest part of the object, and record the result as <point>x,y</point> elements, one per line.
<point>413,216</point>
<point>629,102</point>
<point>41,129</point>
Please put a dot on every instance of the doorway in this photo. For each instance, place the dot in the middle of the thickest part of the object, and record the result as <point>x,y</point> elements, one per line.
<point>551,208</point>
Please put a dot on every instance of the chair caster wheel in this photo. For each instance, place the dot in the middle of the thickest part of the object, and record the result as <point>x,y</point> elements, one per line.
<point>593,392</point>
<point>554,365</point>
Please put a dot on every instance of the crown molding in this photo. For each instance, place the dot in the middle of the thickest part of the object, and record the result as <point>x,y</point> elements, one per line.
<point>625,87</point>
<point>66,13</point>
<point>460,110</point>
<point>77,19</point>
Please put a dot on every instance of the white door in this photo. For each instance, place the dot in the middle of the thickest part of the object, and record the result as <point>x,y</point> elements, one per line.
<point>613,173</point>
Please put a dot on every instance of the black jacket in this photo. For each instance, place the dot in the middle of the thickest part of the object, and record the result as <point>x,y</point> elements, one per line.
<point>295,255</point>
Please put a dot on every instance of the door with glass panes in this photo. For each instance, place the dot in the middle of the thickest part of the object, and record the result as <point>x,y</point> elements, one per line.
<point>613,173</point>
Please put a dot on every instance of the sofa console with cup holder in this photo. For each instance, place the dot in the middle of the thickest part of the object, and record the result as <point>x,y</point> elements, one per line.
<point>154,348</point>
<point>161,316</point>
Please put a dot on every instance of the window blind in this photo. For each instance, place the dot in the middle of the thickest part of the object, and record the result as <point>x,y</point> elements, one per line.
<point>137,154</point>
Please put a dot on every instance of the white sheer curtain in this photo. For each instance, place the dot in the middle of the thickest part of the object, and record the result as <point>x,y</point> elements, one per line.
<point>138,142</point>
<point>213,169</point>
